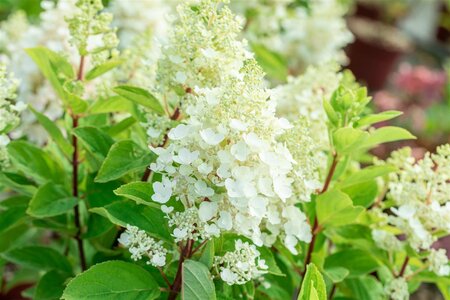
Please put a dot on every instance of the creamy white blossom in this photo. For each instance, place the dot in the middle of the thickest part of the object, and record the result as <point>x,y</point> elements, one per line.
<point>304,96</point>
<point>132,19</point>
<point>139,56</point>
<point>9,112</point>
<point>386,240</point>
<point>230,151</point>
<point>397,289</point>
<point>421,192</point>
<point>420,209</point>
<point>303,36</point>
<point>241,265</point>
<point>90,31</point>
<point>439,262</point>
<point>16,35</point>
<point>141,245</point>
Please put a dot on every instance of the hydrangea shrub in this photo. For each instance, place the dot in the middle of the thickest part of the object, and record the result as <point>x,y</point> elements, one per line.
<point>161,162</point>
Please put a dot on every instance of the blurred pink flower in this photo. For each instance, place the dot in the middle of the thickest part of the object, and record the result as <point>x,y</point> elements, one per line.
<point>422,82</point>
<point>386,101</point>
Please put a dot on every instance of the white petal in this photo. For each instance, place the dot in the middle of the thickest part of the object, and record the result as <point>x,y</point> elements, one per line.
<point>179,132</point>
<point>225,221</point>
<point>207,210</point>
<point>210,137</point>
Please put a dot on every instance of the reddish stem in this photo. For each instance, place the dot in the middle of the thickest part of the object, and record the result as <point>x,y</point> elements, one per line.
<point>75,162</point>
<point>330,174</point>
<point>176,286</point>
<point>404,265</point>
<point>315,228</point>
<point>75,193</point>
<point>333,291</point>
<point>165,278</point>
<point>80,69</point>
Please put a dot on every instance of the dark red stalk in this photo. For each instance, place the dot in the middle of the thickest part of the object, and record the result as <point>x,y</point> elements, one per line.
<point>176,286</point>
<point>75,162</point>
<point>315,228</point>
<point>404,265</point>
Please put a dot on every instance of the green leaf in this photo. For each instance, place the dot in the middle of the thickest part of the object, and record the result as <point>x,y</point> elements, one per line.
<point>57,70</point>
<point>109,105</point>
<point>313,286</point>
<point>96,141</point>
<point>444,288</point>
<point>102,68</point>
<point>267,255</point>
<point>197,282</point>
<point>11,216</point>
<point>336,208</point>
<point>357,262</point>
<point>121,126</point>
<point>331,113</point>
<point>34,162</point>
<point>347,139</point>
<point>39,258</point>
<point>380,117</point>
<point>75,103</point>
<point>51,200</point>
<point>54,132</point>
<point>124,157</point>
<point>50,286</point>
<point>43,58</point>
<point>207,257</point>
<point>112,280</point>
<point>136,191</point>
<point>101,194</point>
<point>362,194</point>
<point>96,226</point>
<point>385,135</point>
<point>150,219</point>
<point>354,234</point>
<point>272,63</point>
<point>336,274</point>
<point>141,97</point>
<point>17,183</point>
<point>13,236</point>
<point>366,174</point>
<point>365,288</point>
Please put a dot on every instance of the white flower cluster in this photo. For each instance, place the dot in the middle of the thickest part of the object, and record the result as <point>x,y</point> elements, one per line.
<point>157,128</point>
<point>191,223</point>
<point>141,245</point>
<point>201,54</point>
<point>304,36</point>
<point>132,19</point>
<point>304,96</point>
<point>386,240</point>
<point>241,265</point>
<point>139,55</point>
<point>16,35</point>
<point>397,289</point>
<point>230,158</point>
<point>420,191</point>
<point>9,112</point>
<point>439,262</point>
<point>90,31</point>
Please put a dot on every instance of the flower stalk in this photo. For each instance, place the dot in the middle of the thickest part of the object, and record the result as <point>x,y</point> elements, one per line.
<point>315,230</point>
<point>75,193</point>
